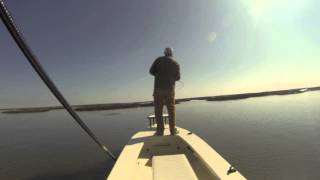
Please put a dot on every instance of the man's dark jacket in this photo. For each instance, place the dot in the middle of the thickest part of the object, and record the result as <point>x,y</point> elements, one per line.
<point>166,71</point>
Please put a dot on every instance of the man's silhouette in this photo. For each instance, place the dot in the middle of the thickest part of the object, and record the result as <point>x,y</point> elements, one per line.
<point>166,72</point>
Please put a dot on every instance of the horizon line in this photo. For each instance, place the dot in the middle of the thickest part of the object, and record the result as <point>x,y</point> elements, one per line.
<point>313,88</point>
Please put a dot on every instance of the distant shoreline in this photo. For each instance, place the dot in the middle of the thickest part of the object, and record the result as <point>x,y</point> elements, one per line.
<point>111,106</point>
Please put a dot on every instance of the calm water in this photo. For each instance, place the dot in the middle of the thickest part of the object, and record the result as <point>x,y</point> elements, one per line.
<point>265,138</point>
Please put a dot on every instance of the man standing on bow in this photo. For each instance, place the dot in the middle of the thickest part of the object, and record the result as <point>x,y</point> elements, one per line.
<point>166,72</point>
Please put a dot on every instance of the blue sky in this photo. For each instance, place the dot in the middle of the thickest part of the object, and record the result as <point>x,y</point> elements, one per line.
<point>100,51</point>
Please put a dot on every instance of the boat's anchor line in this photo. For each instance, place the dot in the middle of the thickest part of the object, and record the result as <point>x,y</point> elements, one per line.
<point>18,38</point>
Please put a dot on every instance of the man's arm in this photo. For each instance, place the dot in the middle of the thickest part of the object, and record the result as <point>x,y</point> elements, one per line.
<point>177,72</point>
<point>153,68</point>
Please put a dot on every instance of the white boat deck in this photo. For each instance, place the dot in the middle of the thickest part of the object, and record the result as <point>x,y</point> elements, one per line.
<point>136,159</point>
<point>172,167</point>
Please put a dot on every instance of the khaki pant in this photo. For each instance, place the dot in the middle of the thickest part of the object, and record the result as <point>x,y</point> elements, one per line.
<point>164,97</point>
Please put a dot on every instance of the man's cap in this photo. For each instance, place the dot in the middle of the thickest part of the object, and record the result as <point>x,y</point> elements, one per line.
<point>168,51</point>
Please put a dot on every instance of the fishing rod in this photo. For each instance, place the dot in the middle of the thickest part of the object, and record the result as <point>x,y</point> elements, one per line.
<point>8,21</point>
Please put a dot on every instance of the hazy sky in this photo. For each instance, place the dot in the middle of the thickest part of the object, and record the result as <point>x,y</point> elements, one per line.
<point>100,51</point>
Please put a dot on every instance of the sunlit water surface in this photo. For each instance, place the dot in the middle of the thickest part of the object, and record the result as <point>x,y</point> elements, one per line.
<point>265,138</point>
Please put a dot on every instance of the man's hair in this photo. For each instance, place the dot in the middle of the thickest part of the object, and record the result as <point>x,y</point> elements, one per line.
<point>168,51</point>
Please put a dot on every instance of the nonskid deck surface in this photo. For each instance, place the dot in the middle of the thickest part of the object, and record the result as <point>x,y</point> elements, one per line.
<point>172,166</point>
<point>157,146</point>
<point>137,156</point>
